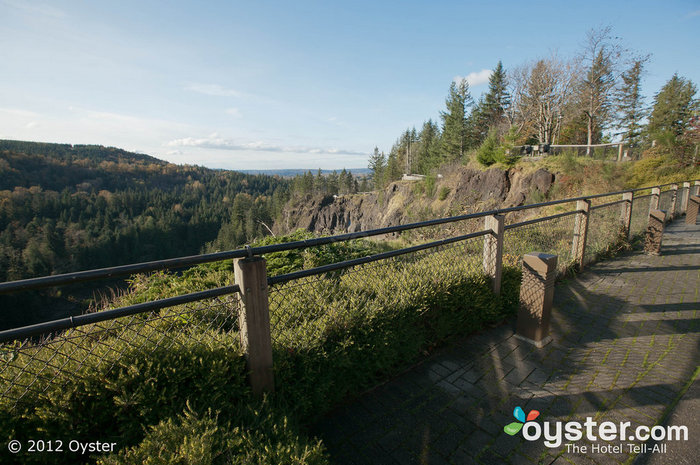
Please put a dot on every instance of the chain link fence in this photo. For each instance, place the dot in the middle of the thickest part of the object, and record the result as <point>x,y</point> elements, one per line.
<point>29,368</point>
<point>311,309</point>
<point>640,215</point>
<point>666,202</point>
<point>552,236</point>
<point>605,230</point>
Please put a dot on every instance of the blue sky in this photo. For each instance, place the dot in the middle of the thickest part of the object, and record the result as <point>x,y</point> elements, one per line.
<point>263,85</point>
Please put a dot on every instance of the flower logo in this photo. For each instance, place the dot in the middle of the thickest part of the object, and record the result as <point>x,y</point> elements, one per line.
<point>519,414</point>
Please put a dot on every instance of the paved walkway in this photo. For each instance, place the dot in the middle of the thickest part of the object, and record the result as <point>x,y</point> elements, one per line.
<point>626,348</point>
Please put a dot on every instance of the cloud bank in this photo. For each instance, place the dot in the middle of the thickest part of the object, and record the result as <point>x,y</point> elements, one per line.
<point>218,143</point>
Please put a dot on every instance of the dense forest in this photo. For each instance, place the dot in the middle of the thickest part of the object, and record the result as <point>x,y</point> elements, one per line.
<point>65,208</point>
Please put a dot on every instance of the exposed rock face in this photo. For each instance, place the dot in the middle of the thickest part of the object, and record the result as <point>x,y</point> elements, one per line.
<point>402,202</point>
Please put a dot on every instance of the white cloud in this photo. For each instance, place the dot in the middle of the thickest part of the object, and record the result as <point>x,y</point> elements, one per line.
<point>31,124</point>
<point>213,89</point>
<point>476,78</point>
<point>693,14</point>
<point>235,112</point>
<point>218,143</point>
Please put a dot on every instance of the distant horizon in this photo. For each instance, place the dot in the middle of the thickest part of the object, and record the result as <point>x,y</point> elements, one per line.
<point>276,85</point>
<point>241,170</point>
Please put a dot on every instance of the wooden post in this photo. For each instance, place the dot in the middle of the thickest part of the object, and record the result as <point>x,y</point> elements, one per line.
<point>686,195</point>
<point>654,201</point>
<point>691,213</point>
<point>536,297</point>
<point>626,214</point>
<point>254,322</point>
<point>655,232</point>
<point>619,152</point>
<point>493,250</point>
<point>697,188</point>
<point>578,246</point>
<point>674,202</point>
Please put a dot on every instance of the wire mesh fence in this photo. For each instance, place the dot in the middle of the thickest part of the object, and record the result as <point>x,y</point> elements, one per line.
<point>640,215</point>
<point>680,201</point>
<point>666,201</point>
<point>605,230</point>
<point>313,308</point>
<point>29,368</point>
<point>552,236</point>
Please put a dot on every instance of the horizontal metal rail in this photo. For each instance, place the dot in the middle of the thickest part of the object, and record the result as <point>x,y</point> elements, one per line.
<point>181,262</point>
<point>609,204</point>
<point>539,220</point>
<point>370,258</point>
<point>89,318</point>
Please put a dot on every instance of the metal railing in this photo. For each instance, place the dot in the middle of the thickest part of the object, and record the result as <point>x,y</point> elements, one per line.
<point>578,230</point>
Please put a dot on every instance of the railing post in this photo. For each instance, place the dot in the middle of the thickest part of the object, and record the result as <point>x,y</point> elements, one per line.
<point>536,297</point>
<point>578,247</point>
<point>654,200</point>
<point>697,188</point>
<point>655,232</point>
<point>619,152</point>
<point>254,322</point>
<point>674,202</point>
<point>493,250</point>
<point>691,213</point>
<point>626,214</point>
<point>686,195</point>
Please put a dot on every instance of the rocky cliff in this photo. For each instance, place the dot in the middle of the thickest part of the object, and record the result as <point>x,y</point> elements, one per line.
<point>462,190</point>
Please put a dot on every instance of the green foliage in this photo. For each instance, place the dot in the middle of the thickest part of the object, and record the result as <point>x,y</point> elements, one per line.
<point>659,167</point>
<point>672,109</point>
<point>490,151</point>
<point>191,439</point>
<point>116,386</point>
<point>443,193</point>
<point>298,259</point>
<point>454,121</point>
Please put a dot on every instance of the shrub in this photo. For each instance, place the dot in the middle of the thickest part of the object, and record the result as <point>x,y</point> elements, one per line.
<point>200,439</point>
<point>444,192</point>
<point>118,385</point>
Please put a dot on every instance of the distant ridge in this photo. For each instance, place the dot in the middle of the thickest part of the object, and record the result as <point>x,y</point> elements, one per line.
<point>288,173</point>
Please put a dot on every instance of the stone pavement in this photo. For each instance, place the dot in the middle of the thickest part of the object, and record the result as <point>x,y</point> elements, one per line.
<point>626,349</point>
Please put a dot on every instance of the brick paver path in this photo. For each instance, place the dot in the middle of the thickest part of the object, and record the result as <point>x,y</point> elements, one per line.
<point>626,348</point>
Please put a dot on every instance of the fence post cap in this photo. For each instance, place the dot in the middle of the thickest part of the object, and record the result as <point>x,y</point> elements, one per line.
<point>658,214</point>
<point>540,261</point>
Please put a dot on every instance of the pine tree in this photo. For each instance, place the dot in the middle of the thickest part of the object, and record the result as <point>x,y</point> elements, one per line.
<point>454,121</point>
<point>673,107</point>
<point>377,164</point>
<point>630,103</point>
<point>491,110</point>
<point>428,153</point>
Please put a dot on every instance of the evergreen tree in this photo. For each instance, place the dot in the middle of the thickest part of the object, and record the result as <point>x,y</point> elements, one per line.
<point>491,111</point>
<point>428,152</point>
<point>377,164</point>
<point>454,121</point>
<point>672,108</point>
<point>630,103</point>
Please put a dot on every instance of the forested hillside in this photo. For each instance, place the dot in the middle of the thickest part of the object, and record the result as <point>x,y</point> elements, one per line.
<point>66,208</point>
